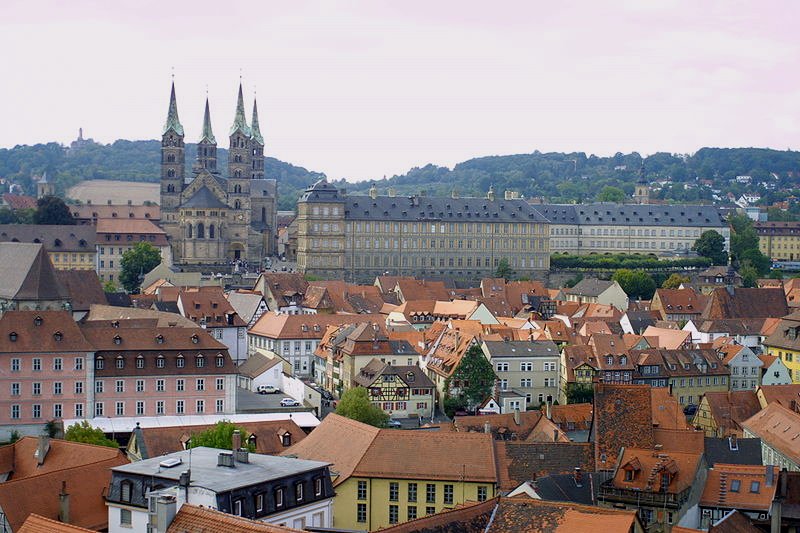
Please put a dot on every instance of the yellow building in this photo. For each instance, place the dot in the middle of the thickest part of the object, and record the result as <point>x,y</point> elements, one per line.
<point>784,343</point>
<point>387,476</point>
<point>70,247</point>
<point>361,237</point>
<point>779,240</point>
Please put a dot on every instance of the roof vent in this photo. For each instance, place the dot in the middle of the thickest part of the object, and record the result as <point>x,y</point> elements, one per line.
<point>225,459</point>
<point>170,463</point>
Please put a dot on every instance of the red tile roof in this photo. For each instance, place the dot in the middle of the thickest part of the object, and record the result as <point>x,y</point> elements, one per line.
<point>622,418</point>
<point>721,488</point>
<point>194,519</point>
<point>777,427</point>
<point>39,524</point>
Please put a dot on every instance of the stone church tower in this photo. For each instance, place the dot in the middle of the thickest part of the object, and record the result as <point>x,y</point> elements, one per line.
<point>213,219</point>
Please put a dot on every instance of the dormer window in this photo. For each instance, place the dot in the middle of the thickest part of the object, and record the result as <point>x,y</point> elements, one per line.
<point>159,339</point>
<point>629,474</point>
<point>119,362</point>
<point>623,360</point>
<point>160,361</point>
<point>286,439</point>
<point>609,360</point>
<point>117,339</point>
<point>195,339</point>
<point>99,363</point>
<point>140,361</point>
<point>57,336</point>
<point>665,482</point>
<point>12,336</point>
<point>180,362</point>
<point>220,361</point>
<point>200,361</point>
<point>37,321</point>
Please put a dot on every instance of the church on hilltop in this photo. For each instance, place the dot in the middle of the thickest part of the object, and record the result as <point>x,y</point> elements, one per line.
<point>211,218</point>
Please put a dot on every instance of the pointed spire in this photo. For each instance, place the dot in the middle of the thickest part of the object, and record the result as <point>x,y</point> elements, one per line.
<point>254,124</point>
<point>239,121</point>
<point>208,135</point>
<point>173,122</point>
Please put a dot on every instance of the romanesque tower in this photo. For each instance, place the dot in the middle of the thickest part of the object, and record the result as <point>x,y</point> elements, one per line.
<point>172,167</point>
<point>207,146</point>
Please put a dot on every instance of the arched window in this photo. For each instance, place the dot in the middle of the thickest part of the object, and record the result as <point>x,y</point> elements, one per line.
<point>170,188</point>
<point>211,231</point>
<point>189,231</point>
<point>237,173</point>
<point>171,173</point>
<point>171,158</point>
<point>237,204</point>
<point>201,231</point>
<point>237,189</point>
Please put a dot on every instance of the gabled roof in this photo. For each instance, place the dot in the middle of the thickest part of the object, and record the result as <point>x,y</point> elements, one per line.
<point>518,462</point>
<point>110,312</point>
<point>746,303</point>
<point>732,451</point>
<point>682,301</point>
<point>26,273</point>
<point>83,287</point>
<point>257,364</point>
<point>39,524</point>
<point>19,201</point>
<point>622,418</point>
<point>204,198</point>
<point>41,332</point>
<point>730,409</point>
<point>671,339</point>
<point>648,464</point>
<point>786,395</point>
<point>540,348</point>
<point>589,287</point>
<point>209,306</point>
<point>54,238</point>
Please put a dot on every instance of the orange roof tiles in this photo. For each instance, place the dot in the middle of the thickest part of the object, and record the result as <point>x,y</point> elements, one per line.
<point>194,519</point>
<point>622,418</point>
<point>743,487</point>
<point>779,428</point>
<point>730,409</point>
<point>786,395</point>
<point>39,524</point>
<point>647,465</point>
<point>283,326</point>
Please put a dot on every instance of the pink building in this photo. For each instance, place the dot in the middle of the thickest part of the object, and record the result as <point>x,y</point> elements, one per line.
<point>52,368</point>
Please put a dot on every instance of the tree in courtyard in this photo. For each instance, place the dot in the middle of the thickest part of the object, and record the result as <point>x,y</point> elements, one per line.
<point>579,393</point>
<point>137,262</point>
<point>51,210</point>
<point>749,275</point>
<point>85,432</point>
<point>355,404</point>
<point>504,270</point>
<point>611,194</point>
<point>712,245</point>
<point>674,281</point>
<point>635,283</point>
<point>471,383</point>
<point>220,435</point>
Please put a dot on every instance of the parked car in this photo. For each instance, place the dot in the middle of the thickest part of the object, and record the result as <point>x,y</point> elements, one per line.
<point>326,395</point>
<point>392,423</point>
<point>267,389</point>
<point>289,402</point>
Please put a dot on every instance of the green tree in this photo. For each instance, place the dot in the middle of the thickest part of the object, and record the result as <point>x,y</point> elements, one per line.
<point>579,393</point>
<point>85,432</point>
<point>712,245</point>
<point>51,210</point>
<point>743,235</point>
<point>749,276</point>
<point>471,383</point>
<point>220,435</point>
<point>611,194</point>
<point>754,258</point>
<point>355,404</point>
<point>504,270</point>
<point>635,283</point>
<point>137,262</point>
<point>110,286</point>
<point>674,281</point>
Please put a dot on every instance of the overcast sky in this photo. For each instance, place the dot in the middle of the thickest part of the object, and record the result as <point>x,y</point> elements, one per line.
<point>359,90</point>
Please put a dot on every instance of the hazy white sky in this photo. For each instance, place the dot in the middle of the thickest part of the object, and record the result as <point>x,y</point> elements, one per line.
<point>359,89</point>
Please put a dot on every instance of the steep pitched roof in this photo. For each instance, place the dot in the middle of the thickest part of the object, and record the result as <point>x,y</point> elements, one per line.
<point>257,364</point>
<point>730,409</point>
<point>728,451</point>
<point>518,462</point>
<point>786,395</point>
<point>622,418</point>
<point>681,466</point>
<point>83,287</point>
<point>27,274</point>
<point>99,312</point>
<point>590,287</point>
<point>84,468</point>
<point>54,238</point>
<point>39,524</point>
<point>204,198</point>
<point>777,427</point>
<point>41,331</point>
<point>746,303</point>
<point>754,491</point>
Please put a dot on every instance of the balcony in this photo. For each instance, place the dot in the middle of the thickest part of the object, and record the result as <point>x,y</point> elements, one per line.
<point>639,497</point>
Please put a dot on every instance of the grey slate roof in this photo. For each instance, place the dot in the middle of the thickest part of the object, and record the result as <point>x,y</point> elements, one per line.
<point>718,450</point>
<point>57,238</point>
<point>443,209</point>
<point>245,304</point>
<point>590,287</point>
<point>521,349</point>
<point>563,488</point>
<point>206,473</point>
<point>612,214</point>
<point>27,274</point>
<point>204,198</point>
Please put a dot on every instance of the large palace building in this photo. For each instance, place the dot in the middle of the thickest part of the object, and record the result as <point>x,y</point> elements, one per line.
<point>359,237</point>
<point>210,218</point>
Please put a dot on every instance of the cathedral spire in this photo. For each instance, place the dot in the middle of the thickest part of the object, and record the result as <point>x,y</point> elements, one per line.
<point>208,135</point>
<point>239,121</point>
<point>173,122</point>
<point>254,124</point>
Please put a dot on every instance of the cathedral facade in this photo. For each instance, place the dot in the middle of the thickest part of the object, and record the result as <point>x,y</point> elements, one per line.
<point>211,218</point>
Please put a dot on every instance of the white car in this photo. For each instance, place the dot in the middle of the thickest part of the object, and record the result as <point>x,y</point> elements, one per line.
<point>289,402</point>
<point>267,389</point>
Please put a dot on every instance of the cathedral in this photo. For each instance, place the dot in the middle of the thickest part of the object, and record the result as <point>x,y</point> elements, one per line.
<point>211,218</point>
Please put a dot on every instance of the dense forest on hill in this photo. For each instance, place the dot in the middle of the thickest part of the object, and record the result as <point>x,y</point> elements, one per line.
<point>559,177</point>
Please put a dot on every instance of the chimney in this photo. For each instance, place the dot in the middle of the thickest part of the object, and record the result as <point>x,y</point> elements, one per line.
<point>770,474</point>
<point>548,412</point>
<point>516,417</point>
<point>42,448</point>
<point>225,459</point>
<point>165,509</point>
<point>236,440</point>
<point>578,477</point>
<point>63,504</point>
<point>487,427</point>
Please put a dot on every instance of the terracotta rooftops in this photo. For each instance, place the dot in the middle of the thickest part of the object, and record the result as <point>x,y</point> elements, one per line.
<point>194,519</point>
<point>137,226</point>
<point>208,305</point>
<point>41,331</point>
<point>730,409</point>
<point>97,211</point>
<point>622,418</point>
<point>777,427</point>
<point>743,487</point>
<point>786,395</point>
<point>518,462</point>
<point>39,524</point>
<point>356,449</point>
<point>283,326</point>
<point>642,469</point>
<point>746,303</point>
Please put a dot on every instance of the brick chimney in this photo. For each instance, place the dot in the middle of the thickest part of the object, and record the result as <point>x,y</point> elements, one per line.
<point>236,440</point>
<point>63,504</point>
<point>516,417</point>
<point>42,448</point>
